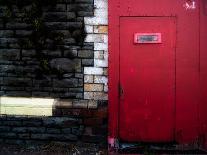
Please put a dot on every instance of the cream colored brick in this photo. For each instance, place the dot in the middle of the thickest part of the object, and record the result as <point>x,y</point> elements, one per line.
<point>101,29</point>
<point>92,104</point>
<point>80,104</point>
<point>88,95</point>
<point>105,71</point>
<point>63,103</point>
<point>101,79</point>
<point>88,78</point>
<point>100,96</point>
<point>93,87</point>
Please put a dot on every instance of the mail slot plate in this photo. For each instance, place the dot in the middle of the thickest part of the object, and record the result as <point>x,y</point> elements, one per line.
<point>147,38</point>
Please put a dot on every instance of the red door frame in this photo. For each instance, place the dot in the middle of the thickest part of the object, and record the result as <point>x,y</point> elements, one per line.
<point>191,113</point>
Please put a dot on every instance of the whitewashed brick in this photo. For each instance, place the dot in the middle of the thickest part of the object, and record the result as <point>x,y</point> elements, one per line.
<point>105,38</point>
<point>106,88</point>
<point>98,55</point>
<point>89,28</point>
<point>101,79</point>
<point>101,13</point>
<point>88,95</point>
<point>88,78</point>
<point>100,63</point>
<point>96,21</point>
<point>96,38</point>
<point>93,71</point>
<point>101,46</point>
<point>101,4</point>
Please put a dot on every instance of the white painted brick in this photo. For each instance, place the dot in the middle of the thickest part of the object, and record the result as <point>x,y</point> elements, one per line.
<point>88,95</point>
<point>96,21</point>
<point>106,88</point>
<point>101,46</point>
<point>93,70</point>
<point>98,55</point>
<point>88,78</point>
<point>101,79</point>
<point>106,55</point>
<point>89,28</point>
<point>100,63</point>
<point>101,4</point>
<point>96,38</point>
<point>105,38</point>
<point>103,13</point>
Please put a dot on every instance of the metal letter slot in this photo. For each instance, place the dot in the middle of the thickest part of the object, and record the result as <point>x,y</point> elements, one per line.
<point>147,38</point>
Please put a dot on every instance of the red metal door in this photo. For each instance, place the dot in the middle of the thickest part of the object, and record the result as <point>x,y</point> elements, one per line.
<point>147,80</point>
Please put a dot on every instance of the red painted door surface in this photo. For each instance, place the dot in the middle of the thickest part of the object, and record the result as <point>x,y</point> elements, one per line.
<point>147,80</point>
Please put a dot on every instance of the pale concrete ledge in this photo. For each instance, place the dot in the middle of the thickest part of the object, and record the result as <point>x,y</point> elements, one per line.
<point>26,106</point>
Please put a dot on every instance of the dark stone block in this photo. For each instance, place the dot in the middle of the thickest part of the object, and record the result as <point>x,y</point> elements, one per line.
<point>32,123</point>
<point>65,83</point>
<point>66,130</point>
<point>14,141</point>
<point>24,136</point>
<point>23,33</point>
<point>17,26</point>
<point>9,54</point>
<point>85,54</point>
<point>12,123</point>
<point>53,130</point>
<point>87,62</point>
<point>63,64</point>
<point>28,53</point>
<point>59,137</point>
<point>60,122</point>
<point>12,81</point>
<point>59,16</point>
<point>4,128</point>
<point>36,129</point>
<point>6,33</point>
<point>84,13</point>
<point>8,135</point>
<point>19,129</point>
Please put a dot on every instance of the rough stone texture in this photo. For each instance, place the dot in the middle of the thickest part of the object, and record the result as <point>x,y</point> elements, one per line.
<point>80,124</point>
<point>21,73</point>
<point>95,78</point>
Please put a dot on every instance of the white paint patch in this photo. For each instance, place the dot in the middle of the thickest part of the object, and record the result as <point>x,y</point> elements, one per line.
<point>26,106</point>
<point>190,5</point>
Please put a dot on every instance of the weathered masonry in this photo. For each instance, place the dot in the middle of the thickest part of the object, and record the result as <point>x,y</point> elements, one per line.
<point>158,63</point>
<point>53,62</point>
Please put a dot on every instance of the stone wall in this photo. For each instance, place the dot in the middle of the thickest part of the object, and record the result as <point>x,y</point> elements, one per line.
<point>82,93</point>
<point>53,68</point>
<point>30,130</point>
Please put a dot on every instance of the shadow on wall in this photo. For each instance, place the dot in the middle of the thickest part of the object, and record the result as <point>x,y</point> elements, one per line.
<point>28,120</point>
